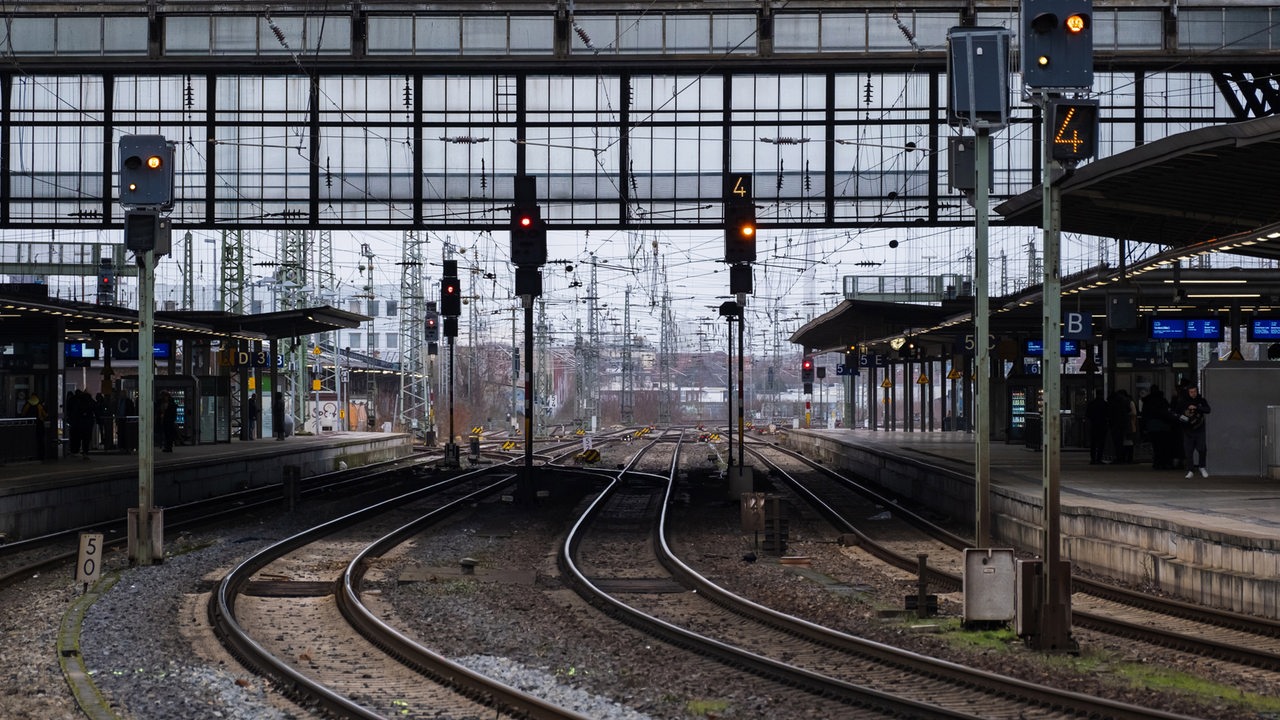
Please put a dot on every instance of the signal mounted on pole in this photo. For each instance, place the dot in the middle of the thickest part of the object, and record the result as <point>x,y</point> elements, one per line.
<point>1057,45</point>
<point>432,324</point>
<point>806,369</point>
<point>146,172</point>
<point>739,219</point>
<point>450,294</point>
<point>528,230</point>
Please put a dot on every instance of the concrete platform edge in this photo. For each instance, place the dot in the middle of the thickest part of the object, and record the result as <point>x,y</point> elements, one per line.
<point>1192,560</point>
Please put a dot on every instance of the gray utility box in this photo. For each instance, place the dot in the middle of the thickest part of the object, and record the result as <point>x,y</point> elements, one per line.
<point>1031,594</point>
<point>990,585</point>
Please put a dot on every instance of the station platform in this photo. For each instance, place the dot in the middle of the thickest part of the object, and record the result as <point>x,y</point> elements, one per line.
<point>1213,540</point>
<point>38,498</point>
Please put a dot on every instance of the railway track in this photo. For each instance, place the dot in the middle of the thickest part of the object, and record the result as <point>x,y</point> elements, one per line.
<point>618,558</point>
<point>293,612</point>
<point>899,536</point>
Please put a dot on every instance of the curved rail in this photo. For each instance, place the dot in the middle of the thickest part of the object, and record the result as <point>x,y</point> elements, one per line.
<point>1146,632</point>
<point>222,611</point>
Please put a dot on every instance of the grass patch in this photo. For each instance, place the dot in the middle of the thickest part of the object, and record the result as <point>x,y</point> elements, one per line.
<point>704,707</point>
<point>1113,669</point>
<point>1152,677</point>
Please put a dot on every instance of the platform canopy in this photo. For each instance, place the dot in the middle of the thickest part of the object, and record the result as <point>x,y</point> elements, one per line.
<point>1177,191</point>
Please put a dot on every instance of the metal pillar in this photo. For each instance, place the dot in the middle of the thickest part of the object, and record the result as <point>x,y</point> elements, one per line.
<point>981,345</point>
<point>146,409</point>
<point>1055,612</point>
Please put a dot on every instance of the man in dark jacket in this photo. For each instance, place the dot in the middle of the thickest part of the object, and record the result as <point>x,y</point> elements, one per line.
<point>1157,425</point>
<point>1096,413</point>
<point>1193,408</point>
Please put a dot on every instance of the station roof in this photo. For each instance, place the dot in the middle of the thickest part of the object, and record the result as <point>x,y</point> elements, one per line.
<point>27,304</point>
<point>1206,191</point>
<point>271,326</point>
<point>1177,191</point>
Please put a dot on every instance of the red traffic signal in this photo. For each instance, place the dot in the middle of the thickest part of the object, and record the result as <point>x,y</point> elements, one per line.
<point>806,370</point>
<point>450,297</point>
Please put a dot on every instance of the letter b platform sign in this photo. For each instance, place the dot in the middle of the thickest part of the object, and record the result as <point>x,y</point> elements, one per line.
<point>1077,325</point>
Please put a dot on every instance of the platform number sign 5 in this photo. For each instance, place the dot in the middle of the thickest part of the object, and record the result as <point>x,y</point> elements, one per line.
<point>89,562</point>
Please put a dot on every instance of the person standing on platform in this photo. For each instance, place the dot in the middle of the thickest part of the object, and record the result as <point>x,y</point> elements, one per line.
<point>250,419</point>
<point>277,414</point>
<point>1157,425</point>
<point>34,409</point>
<point>1193,408</point>
<point>1123,419</point>
<point>168,420</point>
<point>82,411</point>
<point>126,430</point>
<point>1096,413</point>
<point>104,415</point>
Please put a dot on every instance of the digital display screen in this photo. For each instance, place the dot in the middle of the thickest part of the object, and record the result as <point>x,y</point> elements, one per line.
<point>1193,329</point>
<point>1204,329</point>
<point>1264,330</point>
<point>1035,348</point>
<point>161,350</point>
<point>81,350</point>
<point>1168,329</point>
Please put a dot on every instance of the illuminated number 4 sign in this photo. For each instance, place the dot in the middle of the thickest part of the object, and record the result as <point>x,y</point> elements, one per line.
<point>1075,129</point>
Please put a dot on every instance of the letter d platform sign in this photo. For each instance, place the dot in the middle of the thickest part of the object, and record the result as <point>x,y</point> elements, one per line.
<point>1077,325</point>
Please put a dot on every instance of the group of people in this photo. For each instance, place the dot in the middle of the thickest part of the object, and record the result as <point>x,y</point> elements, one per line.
<point>1175,428</point>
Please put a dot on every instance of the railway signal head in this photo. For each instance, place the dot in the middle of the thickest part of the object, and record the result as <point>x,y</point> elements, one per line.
<point>806,369</point>
<point>432,327</point>
<point>450,296</point>
<point>1057,44</point>
<point>146,172</point>
<point>528,231</point>
<point>739,220</point>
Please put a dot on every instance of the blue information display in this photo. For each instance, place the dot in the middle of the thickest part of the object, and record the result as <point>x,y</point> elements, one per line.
<point>1066,348</point>
<point>1193,329</point>
<point>1264,330</point>
<point>1204,329</point>
<point>81,350</point>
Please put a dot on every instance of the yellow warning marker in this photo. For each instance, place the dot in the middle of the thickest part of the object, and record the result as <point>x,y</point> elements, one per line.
<point>954,374</point>
<point>886,383</point>
<point>922,380</point>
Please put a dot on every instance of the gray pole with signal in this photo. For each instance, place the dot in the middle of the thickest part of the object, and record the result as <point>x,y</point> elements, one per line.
<point>146,193</point>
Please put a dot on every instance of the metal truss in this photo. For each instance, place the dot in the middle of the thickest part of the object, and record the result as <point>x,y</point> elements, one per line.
<point>645,147</point>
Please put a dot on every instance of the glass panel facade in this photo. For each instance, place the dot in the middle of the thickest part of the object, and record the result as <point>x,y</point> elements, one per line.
<point>438,34</point>
<point>484,35</point>
<point>79,36</point>
<point>187,35</point>
<point>531,35</point>
<point>32,35</point>
<point>124,35</point>
<point>391,35</point>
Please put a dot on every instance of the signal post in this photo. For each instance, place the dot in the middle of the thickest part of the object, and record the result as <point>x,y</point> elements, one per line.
<point>1057,69</point>
<point>739,254</point>
<point>146,193</point>
<point>528,254</point>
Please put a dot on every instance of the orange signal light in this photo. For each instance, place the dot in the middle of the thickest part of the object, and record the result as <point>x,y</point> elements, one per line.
<point>154,162</point>
<point>1076,24</point>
